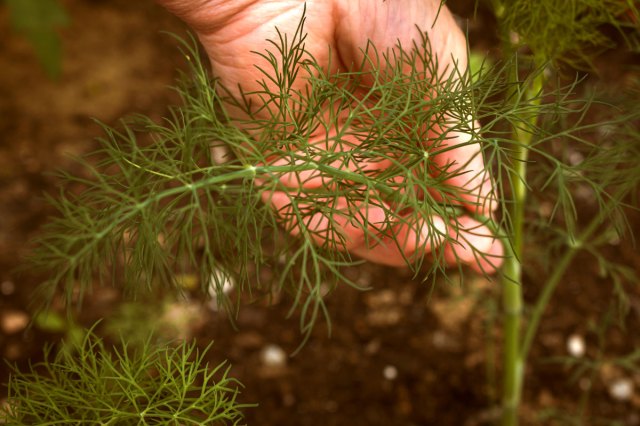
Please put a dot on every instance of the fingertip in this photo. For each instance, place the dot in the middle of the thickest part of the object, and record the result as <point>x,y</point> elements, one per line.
<point>408,242</point>
<point>490,261</point>
<point>488,197</point>
<point>473,244</point>
<point>433,233</point>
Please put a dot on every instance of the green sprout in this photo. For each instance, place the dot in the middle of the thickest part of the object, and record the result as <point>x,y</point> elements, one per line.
<point>94,384</point>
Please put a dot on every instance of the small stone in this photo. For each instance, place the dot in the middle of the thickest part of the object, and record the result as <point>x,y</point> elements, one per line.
<point>390,372</point>
<point>325,289</point>
<point>13,321</point>
<point>373,347</point>
<point>248,340</point>
<point>331,406</point>
<point>545,399</point>
<point>621,389</point>
<point>614,239</point>
<point>4,406</point>
<point>443,341</point>
<point>586,193</point>
<point>605,131</point>
<point>7,288</point>
<point>273,356</point>
<point>364,280</point>
<point>545,209</point>
<point>288,400</point>
<point>584,384</point>
<point>13,351</point>
<point>219,154</point>
<point>575,158</point>
<point>219,280</point>
<point>180,319</point>
<point>576,346</point>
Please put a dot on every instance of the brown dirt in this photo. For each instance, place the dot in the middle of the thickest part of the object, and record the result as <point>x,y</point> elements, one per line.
<point>400,354</point>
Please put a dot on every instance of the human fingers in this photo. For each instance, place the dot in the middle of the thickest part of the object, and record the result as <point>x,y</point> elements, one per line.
<point>368,229</point>
<point>460,159</point>
<point>471,242</point>
<point>388,25</point>
<point>334,222</point>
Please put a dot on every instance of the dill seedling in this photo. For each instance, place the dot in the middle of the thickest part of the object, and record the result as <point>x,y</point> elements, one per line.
<point>90,383</point>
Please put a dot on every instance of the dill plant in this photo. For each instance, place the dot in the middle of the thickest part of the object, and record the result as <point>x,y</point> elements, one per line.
<point>90,383</point>
<point>150,211</point>
<point>159,203</point>
<point>544,37</point>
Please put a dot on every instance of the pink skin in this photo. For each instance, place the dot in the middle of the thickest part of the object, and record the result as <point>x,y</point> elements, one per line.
<point>230,29</point>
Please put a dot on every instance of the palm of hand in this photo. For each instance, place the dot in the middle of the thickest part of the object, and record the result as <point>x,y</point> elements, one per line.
<point>343,28</point>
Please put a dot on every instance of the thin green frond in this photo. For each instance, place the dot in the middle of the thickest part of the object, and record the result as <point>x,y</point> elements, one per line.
<point>92,383</point>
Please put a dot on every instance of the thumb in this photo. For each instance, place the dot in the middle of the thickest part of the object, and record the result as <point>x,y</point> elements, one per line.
<point>205,16</point>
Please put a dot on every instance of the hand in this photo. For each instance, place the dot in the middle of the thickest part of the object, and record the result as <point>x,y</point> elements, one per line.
<point>230,29</point>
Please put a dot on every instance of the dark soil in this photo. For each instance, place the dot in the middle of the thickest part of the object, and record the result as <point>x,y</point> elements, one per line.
<point>403,353</point>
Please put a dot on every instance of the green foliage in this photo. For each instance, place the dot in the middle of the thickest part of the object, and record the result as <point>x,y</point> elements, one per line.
<point>39,21</point>
<point>159,203</point>
<point>93,384</point>
<point>168,205</point>
<point>555,166</point>
<point>571,31</point>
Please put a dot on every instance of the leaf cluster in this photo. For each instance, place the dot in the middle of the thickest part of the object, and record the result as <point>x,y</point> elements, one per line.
<point>91,383</point>
<point>149,209</point>
<point>572,32</point>
<point>192,192</point>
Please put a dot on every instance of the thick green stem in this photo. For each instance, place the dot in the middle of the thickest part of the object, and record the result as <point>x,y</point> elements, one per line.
<point>512,299</point>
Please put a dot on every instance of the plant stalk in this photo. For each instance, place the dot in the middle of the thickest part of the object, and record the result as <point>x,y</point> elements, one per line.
<point>556,277</point>
<point>512,299</point>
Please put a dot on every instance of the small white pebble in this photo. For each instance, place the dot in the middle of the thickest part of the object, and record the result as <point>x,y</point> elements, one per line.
<point>614,239</point>
<point>576,346</point>
<point>331,406</point>
<point>324,289</point>
<point>441,340</point>
<point>227,282</point>
<point>273,356</point>
<point>7,288</point>
<point>545,209</point>
<point>364,280</point>
<point>372,347</point>
<point>4,405</point>
<point>390,372</point>
<point>14,321</point>
<point>605,131</point>
<point>219,154</point>
<point>584,384</point>
<point>621,389</point>
<point>575,158</point>
<point>288,400</point>
<point>585,192</point>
